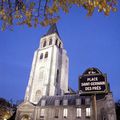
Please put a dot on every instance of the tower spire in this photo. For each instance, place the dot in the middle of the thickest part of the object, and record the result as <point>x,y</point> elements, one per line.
<point>52,29</point>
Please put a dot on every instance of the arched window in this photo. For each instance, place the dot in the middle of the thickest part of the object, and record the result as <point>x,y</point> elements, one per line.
<point>50,42</point>
<point>41,56</point>
<point>56,41</point>
<point>37,95</point>
<point>25,117</point>
<point>57,76</point>
<point>60,45</point>
<point>41,75</point>
<point>46,54</point>
<point>44,44</point>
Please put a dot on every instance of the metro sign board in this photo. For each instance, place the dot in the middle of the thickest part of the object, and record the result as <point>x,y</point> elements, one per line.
<point>93,84</point>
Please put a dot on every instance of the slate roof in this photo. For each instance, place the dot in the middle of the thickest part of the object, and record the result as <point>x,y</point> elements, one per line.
<point>50,100</point>
<point>52,29</point>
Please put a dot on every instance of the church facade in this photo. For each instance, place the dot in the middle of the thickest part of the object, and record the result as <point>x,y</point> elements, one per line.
<point>48,96</point>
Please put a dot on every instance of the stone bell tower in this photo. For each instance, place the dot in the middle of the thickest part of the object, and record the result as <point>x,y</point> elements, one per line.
<point>49,71</point>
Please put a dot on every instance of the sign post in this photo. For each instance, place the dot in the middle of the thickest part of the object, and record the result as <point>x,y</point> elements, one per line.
<point>95,107</point>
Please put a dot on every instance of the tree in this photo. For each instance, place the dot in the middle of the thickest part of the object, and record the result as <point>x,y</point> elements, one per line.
<point>6,109</point>
<point>45,12</point>
<point>117,104</point>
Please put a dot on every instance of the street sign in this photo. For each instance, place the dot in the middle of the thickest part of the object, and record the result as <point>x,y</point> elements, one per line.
<point>93,83</point>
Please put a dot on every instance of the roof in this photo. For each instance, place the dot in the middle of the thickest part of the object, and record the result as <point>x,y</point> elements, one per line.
<point>50,100</point>
<point>52,29</point>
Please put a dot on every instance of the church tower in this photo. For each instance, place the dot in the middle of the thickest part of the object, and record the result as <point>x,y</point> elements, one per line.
<point>49,71</point>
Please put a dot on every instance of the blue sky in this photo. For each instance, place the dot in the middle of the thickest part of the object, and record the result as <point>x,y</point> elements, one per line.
<point>89,41</point>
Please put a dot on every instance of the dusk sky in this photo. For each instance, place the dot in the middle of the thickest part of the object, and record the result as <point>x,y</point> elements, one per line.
<point>89,41</point>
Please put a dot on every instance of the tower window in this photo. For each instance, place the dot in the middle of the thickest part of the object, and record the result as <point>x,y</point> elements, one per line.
<point>46,54</point>
<point>60,45</point>
<point>87,112</point>
<point>78,112</point>
<point>50,42</point>
<point>37,95</point>
<point>44,44</point>
<point>41,56</point>
<point>57,77</point>
<point>65,112</point>
<point>56,42</point>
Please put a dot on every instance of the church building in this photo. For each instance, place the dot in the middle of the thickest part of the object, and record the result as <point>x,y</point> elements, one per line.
<point>48,96</point>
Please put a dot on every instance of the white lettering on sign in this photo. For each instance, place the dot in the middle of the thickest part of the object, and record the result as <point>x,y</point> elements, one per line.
<point>93,88</point>
<point>97,83</point>
<point>91,72</point>
<point>92,79</point>
<point>85,84</point>
<point>92,83</point>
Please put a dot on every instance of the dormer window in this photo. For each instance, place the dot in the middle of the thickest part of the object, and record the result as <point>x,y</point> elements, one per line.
<point>65,102</point>
<point>41,56</point>
<point>87,101</point>
<point>46,55</point>
<point>50,42</point>
<point>44,44</point>
<point>78,101</point>
<point>57,102</point>
<point>43,103</point>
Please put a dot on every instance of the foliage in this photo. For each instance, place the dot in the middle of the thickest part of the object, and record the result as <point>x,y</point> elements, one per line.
<point>45,12</point>
<point>6,109</point>
<point>117,104</point>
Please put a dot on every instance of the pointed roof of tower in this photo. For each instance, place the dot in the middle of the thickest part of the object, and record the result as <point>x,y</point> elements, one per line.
<point>52,29</point>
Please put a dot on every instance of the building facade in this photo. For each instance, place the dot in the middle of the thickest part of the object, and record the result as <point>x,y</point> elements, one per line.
<point>48,96</point>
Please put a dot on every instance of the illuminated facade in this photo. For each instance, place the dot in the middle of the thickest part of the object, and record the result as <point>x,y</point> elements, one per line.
<point>48,96</point>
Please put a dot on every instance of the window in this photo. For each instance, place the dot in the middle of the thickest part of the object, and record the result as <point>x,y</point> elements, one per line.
<point>65,102</point>
<point>60,45</point>
<point>87,101</point>
<point>57,102</point>
<point>46,54</point>
<point>37,96</point>
<point>41,75</point>
<point>78,112</point>
<point>65,113</point>
<point>87,112</point>
<point>56,113</point>
<point>83,101</point>
<point>42,112</point>
<point>56,41</point>
<point>25,117</point>
<point>43,103</point>
<point>41,56</point>
<point>44,44</point>
<point>50,42</point>
<point>78,101</point>
<point>57,77</point>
